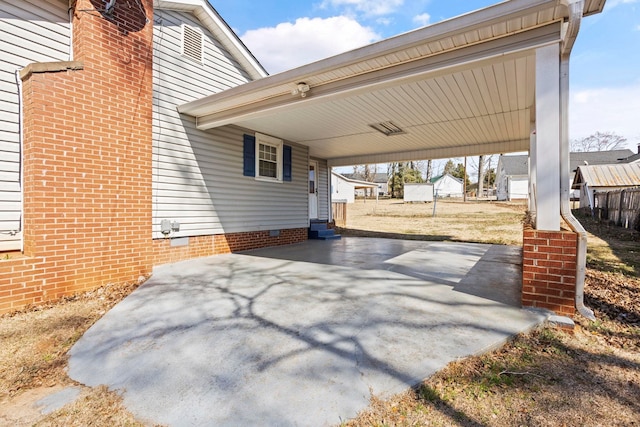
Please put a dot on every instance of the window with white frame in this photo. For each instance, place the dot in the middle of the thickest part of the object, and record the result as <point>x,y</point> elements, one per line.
<point>268,158</point>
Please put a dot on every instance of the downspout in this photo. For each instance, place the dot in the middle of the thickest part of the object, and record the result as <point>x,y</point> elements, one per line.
<point>570,30</point>
<point>21,154</point>
<point>70,12</point>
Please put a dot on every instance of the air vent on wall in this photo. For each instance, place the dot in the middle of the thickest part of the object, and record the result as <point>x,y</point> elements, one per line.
<point>387,128</point>
<point>192,43</point>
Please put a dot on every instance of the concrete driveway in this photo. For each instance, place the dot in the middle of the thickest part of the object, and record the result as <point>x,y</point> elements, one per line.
<point>300,335</point>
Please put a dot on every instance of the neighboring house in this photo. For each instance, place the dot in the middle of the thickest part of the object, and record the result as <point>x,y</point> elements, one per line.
<point>512,177</point>
<point>447,185</point>
<point>344,189</point>
<point>147,133</point>
<point>611,157</point>
<point>602,178</point>
<point>635,158</point>
<point>379,178</point>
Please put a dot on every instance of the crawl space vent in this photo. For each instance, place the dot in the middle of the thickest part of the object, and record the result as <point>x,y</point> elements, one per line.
<point>387,128</point>
<point>192,43</point>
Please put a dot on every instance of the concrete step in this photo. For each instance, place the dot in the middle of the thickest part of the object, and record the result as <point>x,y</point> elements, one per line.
<point>320,233</point>
<point>332,237</point>
<point>317,226</point>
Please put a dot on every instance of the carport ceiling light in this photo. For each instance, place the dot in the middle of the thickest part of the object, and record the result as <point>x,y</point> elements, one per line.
<point>387,128</point>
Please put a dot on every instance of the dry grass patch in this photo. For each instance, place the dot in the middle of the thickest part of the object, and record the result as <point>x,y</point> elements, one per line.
<point>454,220</point>
<point>98,407</point>
<point>35,344</point>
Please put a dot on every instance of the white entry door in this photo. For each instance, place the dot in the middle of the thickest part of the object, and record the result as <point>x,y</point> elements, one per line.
<point>313,190</point>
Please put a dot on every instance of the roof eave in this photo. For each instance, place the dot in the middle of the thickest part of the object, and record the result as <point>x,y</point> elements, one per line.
<point>218,26</point>
<point>448,28</point>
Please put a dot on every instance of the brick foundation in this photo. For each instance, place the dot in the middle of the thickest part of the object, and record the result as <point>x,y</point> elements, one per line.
<point>200,246</point>
<point>549,270</point>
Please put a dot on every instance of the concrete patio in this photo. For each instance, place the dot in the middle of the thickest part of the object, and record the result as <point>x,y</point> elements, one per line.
<point>300,335</point>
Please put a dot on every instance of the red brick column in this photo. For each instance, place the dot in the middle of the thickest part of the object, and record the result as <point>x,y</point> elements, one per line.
<point>549,270</point>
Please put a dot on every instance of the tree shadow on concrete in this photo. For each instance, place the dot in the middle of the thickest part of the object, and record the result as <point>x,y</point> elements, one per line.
<point>230,326</point>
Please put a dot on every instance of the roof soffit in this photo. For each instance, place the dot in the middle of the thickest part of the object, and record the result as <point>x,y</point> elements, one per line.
<point>218,112</point>
<point>479,67</point>
<point>492,23</point>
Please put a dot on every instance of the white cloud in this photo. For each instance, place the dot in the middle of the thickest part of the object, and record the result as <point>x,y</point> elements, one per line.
<point>368,7</point>
<point>606,110</point>
<point>384,21</point>
<point>613,3</point>
<point>422,19</point>
<point>289,45</point>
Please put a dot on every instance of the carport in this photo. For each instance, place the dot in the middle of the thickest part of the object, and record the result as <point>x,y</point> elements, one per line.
<point>491,81</point>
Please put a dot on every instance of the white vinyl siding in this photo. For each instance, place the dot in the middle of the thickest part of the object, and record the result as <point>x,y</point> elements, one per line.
<point>30,31</point>
<point>198,175</point>
<point>323,189</point>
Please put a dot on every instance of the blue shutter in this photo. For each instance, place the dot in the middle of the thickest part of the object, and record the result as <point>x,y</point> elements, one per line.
<point>286,163</point>
<point>249,153</point>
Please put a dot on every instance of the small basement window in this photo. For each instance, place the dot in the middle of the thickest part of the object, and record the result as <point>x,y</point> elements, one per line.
<point>269,158</point>
<point>192,43</point>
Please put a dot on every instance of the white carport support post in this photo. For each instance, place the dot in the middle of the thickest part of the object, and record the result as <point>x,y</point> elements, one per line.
<point>546,149</point>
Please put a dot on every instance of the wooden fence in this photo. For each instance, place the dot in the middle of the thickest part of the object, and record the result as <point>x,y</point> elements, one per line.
<point>620,207</point>
<point>339,210</point>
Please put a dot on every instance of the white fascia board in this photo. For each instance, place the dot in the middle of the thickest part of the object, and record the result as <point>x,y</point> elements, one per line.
<point>217,25</point>
<point>491,15</point>
<point>519,45</point>
<point>433,153</point>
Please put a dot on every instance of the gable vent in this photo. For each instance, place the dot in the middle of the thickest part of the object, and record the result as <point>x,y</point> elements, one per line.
<point>387,128</point>
<point>192,43</point>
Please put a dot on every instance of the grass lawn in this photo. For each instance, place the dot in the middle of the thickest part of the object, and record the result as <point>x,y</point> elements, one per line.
<point>547,377</point>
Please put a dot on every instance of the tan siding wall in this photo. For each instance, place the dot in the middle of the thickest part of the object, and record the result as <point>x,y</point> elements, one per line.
<point>30,31</point>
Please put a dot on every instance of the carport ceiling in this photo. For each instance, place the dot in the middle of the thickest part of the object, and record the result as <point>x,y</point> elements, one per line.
<point>465,86</point>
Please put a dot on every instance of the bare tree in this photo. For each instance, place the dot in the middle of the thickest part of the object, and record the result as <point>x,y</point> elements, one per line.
<point>367,173</point>
<point>429,172</point>
<point>599,141</point>
<point>480,175</point>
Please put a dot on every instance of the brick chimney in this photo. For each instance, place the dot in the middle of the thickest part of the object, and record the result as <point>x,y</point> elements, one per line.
<point>87,158</point>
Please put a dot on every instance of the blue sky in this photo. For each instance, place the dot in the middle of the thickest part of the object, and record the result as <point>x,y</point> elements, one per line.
<point>605,70</point>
